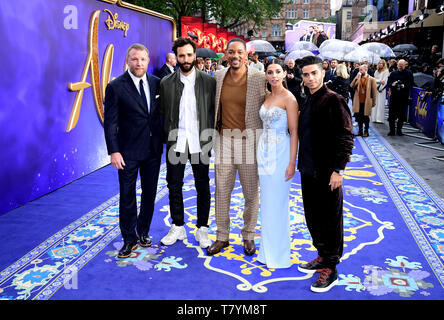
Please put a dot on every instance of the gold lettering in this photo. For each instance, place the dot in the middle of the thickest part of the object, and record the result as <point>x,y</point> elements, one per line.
<point>421,107</point>
<point>98,83</point>
<point>92,65</point>
<point>112,22</point>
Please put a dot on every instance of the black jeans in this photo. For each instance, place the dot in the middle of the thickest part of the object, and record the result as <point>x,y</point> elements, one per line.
<point>323,214</point>
<point>130,222</point>
<point>175,173</point>
<point>362,119</point>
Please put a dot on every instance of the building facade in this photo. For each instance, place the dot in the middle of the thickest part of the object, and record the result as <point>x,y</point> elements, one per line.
<point>274,29</point>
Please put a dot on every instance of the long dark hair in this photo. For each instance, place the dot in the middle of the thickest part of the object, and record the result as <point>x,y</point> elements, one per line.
<point>279,62</point>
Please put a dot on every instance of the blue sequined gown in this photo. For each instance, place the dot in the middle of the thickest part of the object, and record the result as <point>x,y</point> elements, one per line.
<point>273,157</point>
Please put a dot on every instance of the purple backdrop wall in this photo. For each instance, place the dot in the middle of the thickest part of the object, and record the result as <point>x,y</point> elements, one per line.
<point>44,46</point>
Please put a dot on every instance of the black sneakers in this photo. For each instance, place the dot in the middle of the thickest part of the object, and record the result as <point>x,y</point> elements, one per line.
<point>328,278</point>
<point>312,266</point>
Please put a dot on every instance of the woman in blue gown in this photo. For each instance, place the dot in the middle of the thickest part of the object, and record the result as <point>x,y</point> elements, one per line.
<point>276,157</point>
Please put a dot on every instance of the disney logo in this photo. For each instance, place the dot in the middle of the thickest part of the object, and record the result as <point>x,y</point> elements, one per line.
<point>112,22</point>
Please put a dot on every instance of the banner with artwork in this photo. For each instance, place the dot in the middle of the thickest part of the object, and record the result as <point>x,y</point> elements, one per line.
<point>423,112</point>
<point>205,35</point>
<point>56,59</point>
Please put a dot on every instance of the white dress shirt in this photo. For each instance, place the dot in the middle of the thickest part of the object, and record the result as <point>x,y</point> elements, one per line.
<point>170,67</point>
<point>146,87</point>
<point>188,124</point>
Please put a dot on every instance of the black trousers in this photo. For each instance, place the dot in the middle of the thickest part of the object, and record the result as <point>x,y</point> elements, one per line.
<point>131,223</point>
<point>398,108</point>
<point>323,215</point>
<point>362,119</point>
<point>175,173</point>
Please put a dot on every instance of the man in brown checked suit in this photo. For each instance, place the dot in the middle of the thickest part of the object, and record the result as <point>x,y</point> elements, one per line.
<point>240,92</point>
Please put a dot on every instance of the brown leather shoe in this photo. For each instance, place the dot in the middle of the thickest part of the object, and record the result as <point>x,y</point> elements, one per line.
<point>216,247</point>
<point>249,247</point>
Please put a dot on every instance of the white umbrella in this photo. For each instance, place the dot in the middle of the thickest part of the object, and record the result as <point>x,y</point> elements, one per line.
<point>361,55</point>
<point>297,54</point>
<point>303,45</point>
<point>260,46</point>
<point>381,49</point>
<point>337,43</point>
<point>336,49</point>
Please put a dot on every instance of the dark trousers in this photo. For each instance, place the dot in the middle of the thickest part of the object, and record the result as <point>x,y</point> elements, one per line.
<point>175,173</point>
<point>323,215</point>
<point>132,224</point>
<point>397,111</point>
<point>362,119</point>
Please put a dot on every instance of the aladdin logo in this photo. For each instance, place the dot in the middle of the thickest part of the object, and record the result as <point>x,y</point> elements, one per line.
<point>421,107</point>
<point>113,23</point>
<point>92,65</point>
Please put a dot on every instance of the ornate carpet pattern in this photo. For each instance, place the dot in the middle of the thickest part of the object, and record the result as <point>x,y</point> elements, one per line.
<point>394,246</point>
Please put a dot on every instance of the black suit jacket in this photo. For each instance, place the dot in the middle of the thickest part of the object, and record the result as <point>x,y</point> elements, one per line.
<point>164,71</point>
<point>129,129</point>
<point>329,75</point>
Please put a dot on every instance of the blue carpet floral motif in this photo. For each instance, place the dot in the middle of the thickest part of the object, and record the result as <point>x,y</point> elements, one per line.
<point>393,246</point>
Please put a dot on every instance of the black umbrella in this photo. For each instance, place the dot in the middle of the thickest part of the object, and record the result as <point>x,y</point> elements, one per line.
<point>262,55</point>
<point>405,47</point>
<point>422,80</point>
<point>206,53</point>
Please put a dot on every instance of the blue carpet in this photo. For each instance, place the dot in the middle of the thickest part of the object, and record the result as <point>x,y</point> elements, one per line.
<point>64,245</point>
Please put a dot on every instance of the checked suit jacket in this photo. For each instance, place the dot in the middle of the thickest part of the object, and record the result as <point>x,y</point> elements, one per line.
<point>225,171</point>
<point>256,90</point>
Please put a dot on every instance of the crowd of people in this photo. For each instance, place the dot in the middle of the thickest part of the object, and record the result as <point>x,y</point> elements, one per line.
<point>371,87</point>
<point>263,120</point>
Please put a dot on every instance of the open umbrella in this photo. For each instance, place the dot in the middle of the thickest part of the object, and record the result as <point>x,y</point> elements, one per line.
<point>337,43</point>
<point>266,54</point>
<point>381,49</point>
<point>260,46</point>
<point>336,49</point>
<point>405,47</point>
<point>303,45</point>
<point>206,53</point>
<point>297,54</point>
<point>361,55</point>
<point>422,80</point>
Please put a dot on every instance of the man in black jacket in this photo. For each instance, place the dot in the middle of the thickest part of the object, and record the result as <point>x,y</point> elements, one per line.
<point>400,82</point>
<point>326,143</point>
<point>187,109</point>
<point>133,136</point>
<point>294,80</point>
<point>169,66</point>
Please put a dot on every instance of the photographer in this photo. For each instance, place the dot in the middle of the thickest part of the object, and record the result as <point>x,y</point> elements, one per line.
<point>436,91</point>
<point>399,83</point>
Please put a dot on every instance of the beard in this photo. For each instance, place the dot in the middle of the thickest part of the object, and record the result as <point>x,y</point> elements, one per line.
<point>137,72</point>
<point>186,67</point>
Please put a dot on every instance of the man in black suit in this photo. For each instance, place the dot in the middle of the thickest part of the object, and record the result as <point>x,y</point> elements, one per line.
<point>308,35</point>
<point>330,74</point>
<point>169,66</point>
<point>133,134</point>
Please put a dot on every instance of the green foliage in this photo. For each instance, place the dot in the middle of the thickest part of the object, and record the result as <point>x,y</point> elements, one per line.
<point>227,13</point>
